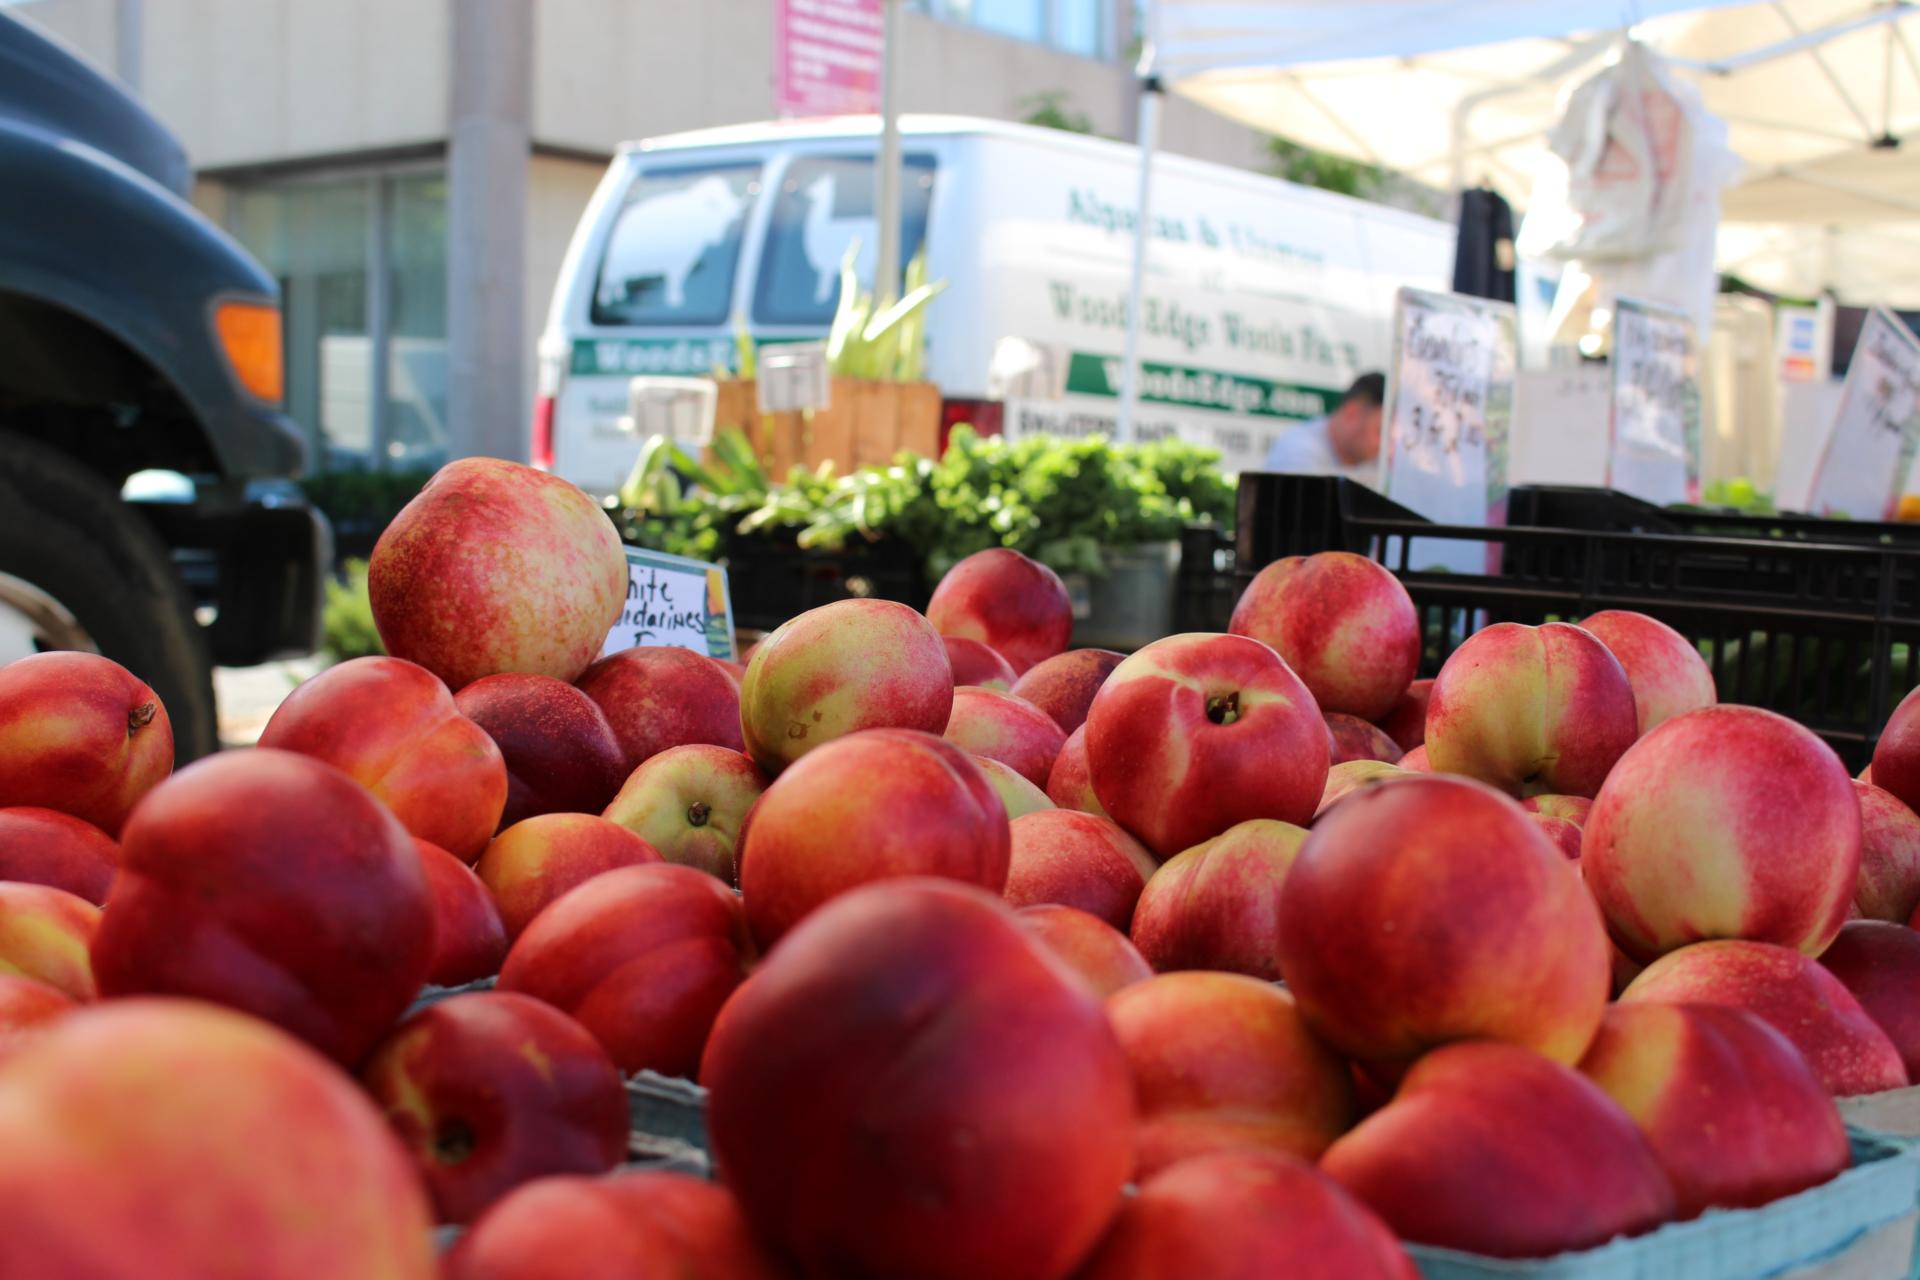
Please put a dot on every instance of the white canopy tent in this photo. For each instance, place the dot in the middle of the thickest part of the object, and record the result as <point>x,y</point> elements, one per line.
<point>1810,89</point>
<point>1817,96</point>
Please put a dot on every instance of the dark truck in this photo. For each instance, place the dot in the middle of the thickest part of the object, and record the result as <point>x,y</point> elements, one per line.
<point>137,337</point>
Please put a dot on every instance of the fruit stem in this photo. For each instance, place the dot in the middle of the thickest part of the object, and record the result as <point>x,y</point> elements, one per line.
<point>697,813</point>
<point>1224,708</point>
<point>453,1142</point>
<point>140,717</point>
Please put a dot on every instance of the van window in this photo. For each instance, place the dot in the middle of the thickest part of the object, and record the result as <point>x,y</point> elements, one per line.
<point>825,203</point>
<point>671,255</point>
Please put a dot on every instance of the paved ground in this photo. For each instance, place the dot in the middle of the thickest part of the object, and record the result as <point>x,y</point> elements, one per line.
<point>248,696</point>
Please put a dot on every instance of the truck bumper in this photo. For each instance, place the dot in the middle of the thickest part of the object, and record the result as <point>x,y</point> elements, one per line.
<point>255,564</point>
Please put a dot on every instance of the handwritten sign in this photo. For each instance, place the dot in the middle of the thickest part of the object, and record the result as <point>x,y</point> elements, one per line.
<point>1655,453</point>
<point>1449,404</point>
<point>1870,447</point>
<point>674,601</point>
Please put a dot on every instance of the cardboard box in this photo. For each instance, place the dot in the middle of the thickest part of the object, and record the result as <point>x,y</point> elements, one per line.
<point>432,995</point>
<point>1894,1112</point>
<point>667,1124</point>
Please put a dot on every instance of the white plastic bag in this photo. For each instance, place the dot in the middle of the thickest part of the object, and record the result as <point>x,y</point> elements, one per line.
<point>1622,165</point>
<point>1629,197</point>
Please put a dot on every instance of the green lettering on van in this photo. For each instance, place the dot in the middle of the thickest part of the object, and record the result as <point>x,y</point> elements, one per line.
<point>1089,374</point>
<point>683,357</point>
<point>630,357</point>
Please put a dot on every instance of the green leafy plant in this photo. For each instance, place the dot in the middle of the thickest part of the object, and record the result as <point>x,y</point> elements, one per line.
<point>1064,502</point>
<point>1311,168</point>
<point>1738,494</point>
<point>746,356</point>
<point>672,502</point>
<point>347,629</point>
<point>1049,110</point>
<point>1067,503</point>
<point>879,339</point>
<point>376,496</point>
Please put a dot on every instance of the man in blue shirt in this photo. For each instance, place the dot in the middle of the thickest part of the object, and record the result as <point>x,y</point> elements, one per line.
<point>1344,443</point>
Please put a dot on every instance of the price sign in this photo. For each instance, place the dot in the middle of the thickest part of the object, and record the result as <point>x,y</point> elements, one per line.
<point>793,377</point>
<point>1655,453</point>
<point>1870,447</point>
<point>674,601</point>
<point>677,408</point>
<point>1449,403</point>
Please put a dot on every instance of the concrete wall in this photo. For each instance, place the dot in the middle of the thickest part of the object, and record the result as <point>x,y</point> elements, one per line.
<point>267,81</point>
<point>264,81</point>
<point>966,71</point>
<point>606,71</point>
<point>90,26</point>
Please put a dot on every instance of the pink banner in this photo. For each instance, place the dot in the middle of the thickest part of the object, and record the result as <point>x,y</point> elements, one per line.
<point>826,57</point>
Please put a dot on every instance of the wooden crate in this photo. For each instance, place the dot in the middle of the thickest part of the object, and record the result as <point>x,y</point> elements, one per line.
<point>865,425</point>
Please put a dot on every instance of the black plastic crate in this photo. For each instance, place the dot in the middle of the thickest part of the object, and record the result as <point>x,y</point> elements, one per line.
<point>1826,633</point>
<point>1206,587</point>
<point>773,578</point>
<point>1606,510</point>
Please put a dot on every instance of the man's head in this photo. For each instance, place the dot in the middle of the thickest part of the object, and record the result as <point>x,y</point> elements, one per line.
<point>1354,428</point>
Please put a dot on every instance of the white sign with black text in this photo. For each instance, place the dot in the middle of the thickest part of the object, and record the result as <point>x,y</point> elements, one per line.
<point>1655,455</point>
<point>1870,448</point>
<point>674,601</point>
<point>1449,401</point>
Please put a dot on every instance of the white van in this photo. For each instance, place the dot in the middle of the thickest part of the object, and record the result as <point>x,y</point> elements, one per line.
<point>1263,299</point>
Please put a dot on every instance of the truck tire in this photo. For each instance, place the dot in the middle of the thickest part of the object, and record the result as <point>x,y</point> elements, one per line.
<point>66,532</point>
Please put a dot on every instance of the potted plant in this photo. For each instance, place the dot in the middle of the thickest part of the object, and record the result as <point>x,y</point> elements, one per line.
<point>878,403</point>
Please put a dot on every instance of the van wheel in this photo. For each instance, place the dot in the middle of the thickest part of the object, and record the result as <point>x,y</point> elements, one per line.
<point>79,570</point>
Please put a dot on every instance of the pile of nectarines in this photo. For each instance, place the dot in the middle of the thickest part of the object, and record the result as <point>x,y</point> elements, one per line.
<point>963,933</point>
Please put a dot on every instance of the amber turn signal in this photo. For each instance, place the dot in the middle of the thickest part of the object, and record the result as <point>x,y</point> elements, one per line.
<point>249,334</point>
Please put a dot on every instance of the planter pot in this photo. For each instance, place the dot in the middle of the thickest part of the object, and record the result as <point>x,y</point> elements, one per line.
<point>865,424</point>
<point>1133,604</point>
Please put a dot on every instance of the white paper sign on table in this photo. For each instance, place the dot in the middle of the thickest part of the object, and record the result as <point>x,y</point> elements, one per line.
<point>1869,450</point>
<point>678,408</point>
<point>1449,402</point>
<point>1656,405</point>
<point>674,601</point>
<point>1560,425</point>
<point>793,377</point>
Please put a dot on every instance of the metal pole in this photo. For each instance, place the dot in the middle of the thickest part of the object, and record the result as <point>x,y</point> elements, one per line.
<point>886,270</point>
<point>1149,137</point>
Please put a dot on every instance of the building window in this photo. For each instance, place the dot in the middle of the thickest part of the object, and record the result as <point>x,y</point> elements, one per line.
<point>1076,26</point>
<point>361,260</point>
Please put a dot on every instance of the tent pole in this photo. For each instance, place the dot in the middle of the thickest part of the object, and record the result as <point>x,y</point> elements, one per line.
<point>886,263</point>
<point>1149,138</point>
